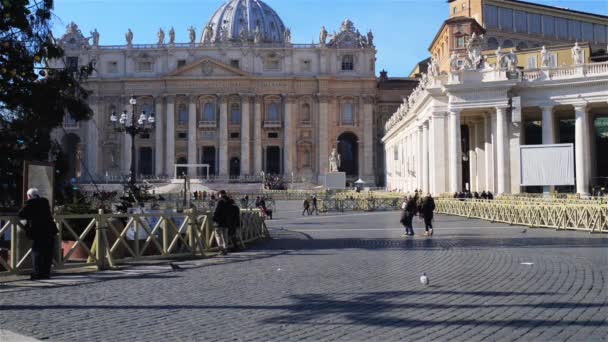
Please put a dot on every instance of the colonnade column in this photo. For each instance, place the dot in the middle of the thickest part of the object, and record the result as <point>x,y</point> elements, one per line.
<point>288,138</point>
<point>480,132</point>
<point>581,132</point>
<point>158,136</point>
<point>223,137</point>
<point>455,151</point>
<point>170,125</point>
<point>425,156</point>
<point>192,138</point>
<point>501,158</point>
<point>257,136</point>
<point>432,175</point>
<point>419,151</point>
<point>489,150</point>
<point>548,131</point>
<point>245,141</point>
<point>323,134</point>
<point>473,172</point>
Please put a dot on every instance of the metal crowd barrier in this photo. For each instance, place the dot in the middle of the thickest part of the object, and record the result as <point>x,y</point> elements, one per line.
<point>107,240</point>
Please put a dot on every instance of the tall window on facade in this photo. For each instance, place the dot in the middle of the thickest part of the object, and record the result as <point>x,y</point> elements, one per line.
<point>305,114</point>
<point>348,63</point>
<point>273,112</point>
<point>235,114</point>
<point>209,112</point>
<point>348,117</point>
<point>182,115</point>
<point>460,42</point>
<point>71,64</point>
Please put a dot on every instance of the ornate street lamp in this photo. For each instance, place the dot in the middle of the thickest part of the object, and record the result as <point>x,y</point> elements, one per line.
<point>127,123</point>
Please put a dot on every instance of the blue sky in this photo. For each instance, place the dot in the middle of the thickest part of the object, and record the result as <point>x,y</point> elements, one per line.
<point>403,29</point>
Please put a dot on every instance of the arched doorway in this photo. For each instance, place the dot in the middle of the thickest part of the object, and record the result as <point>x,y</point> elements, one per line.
<point>182,171</point>
<point>146,159</point>
<point>235,167</point>
<point>73,155</point>
<point>348,148</point>
<point>273,160</point>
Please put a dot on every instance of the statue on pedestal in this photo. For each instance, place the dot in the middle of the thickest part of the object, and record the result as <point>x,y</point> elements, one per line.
<point>577,55</point>
<point>323,36</point>
<point>334,161</point>
<point>95,36</point>
<point>171,36</point>
<point>161,37</point>
<point>545,58</point>
<point>129,37</point>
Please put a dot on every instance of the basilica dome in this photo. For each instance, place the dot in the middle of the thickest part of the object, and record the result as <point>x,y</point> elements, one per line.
<point>245,20</point>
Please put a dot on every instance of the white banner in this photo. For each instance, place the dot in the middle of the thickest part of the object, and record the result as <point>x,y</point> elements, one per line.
<point>547,165</point>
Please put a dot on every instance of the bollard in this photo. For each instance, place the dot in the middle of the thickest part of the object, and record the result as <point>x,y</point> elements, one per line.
<point>100,241</point>
<point>192,230</point>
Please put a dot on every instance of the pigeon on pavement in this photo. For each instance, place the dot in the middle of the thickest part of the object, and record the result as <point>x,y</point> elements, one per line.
<point>424,280</point>
<point>175,267</point>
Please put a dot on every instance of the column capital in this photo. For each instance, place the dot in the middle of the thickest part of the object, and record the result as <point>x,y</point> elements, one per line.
<point>368,99</point>
<point>290,98</point>
<point>323,98</point>
<point>169,97</point>
<point>439,114</point>
<point>454,111</point>
<point>547,107</point>
<point>501,108</point>
<point>580,107</point>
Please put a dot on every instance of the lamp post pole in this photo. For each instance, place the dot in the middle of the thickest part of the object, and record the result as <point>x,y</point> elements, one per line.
<point>127,123</point>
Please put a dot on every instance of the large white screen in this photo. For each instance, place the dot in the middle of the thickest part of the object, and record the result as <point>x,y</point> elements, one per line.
<point>546,165</point>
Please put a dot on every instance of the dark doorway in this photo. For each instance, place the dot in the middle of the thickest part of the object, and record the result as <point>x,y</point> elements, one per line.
<point>235,167</point>
<point>273,160</point>
<point>601,141</point>
<point>71,148</point>
<point>533,132</point>
<point>465,145</point>
<point>209,158</point>
<point>348,148</point>
<point>182,171</point>
<point>145,167</point>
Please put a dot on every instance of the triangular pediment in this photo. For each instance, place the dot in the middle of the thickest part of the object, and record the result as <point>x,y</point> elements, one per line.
<point>207,67</point>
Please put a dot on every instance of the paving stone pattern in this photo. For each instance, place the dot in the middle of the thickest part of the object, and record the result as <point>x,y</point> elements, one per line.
<point>347,277</point>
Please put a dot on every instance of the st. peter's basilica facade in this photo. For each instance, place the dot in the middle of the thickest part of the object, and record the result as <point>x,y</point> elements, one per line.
<point>240,97</point>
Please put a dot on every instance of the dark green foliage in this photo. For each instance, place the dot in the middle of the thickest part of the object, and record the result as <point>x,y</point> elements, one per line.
<point>33,98</point>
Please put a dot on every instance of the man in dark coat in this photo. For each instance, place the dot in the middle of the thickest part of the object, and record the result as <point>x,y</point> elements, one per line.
<point>222,220</point>
<point>426,211</point>
<point>41,229</point>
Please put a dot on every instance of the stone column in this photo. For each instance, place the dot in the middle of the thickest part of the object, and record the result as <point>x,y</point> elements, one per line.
<point>323,124</point>
<point>245,139</point>
<point>192,136</point>
<point>418,154</point>
<point>472,156</point>
<point>158,137</point>
<point>257,136</point>
<point>425,156</point>
<point>501,152</point>
<point>288,138</point>
<point>489,120</point>
<point>548,134</point>
<point>368,138</point>
<point>223,137</point>
<point>480,131</point>
<point>128,142</point>
<point>432,175</point>
<point>440,154</point>
<point>93,147</point>
<point>455,151</point>
<point>581,130</point>
<point>170,125</point>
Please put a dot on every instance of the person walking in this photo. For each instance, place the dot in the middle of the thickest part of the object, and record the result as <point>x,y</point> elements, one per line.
<point>41,229</point>
<point>306,206</point>
<point>407,216</point>
<point>315,207</point>
<point>222,220</point>
<point>426,212</point>
<point>233,219</point>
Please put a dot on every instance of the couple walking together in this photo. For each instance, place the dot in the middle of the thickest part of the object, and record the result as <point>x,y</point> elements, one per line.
<point>413,205</point>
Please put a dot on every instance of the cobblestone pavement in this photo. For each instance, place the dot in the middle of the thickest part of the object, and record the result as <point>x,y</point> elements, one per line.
<point>349,277</point>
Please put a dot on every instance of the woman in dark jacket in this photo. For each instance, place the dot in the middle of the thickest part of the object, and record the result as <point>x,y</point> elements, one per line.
<point>426,211</point>
<point>407,216</point>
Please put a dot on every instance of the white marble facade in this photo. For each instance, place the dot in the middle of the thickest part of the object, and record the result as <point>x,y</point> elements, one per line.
<point>238,95</point>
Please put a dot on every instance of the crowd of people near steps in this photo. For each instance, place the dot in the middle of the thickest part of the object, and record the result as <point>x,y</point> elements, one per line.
<point>421,205</point>
<point>485,195</point>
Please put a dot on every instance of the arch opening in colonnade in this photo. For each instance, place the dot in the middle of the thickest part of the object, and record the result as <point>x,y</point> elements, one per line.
<point>348,148</point>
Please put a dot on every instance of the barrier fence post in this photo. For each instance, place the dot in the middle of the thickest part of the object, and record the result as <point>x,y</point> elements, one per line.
<point>100,240</point>
<point>192,230</point>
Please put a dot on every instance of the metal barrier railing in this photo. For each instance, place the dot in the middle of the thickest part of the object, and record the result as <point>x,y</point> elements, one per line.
<point>590,216</point>
<point>106,240</point>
